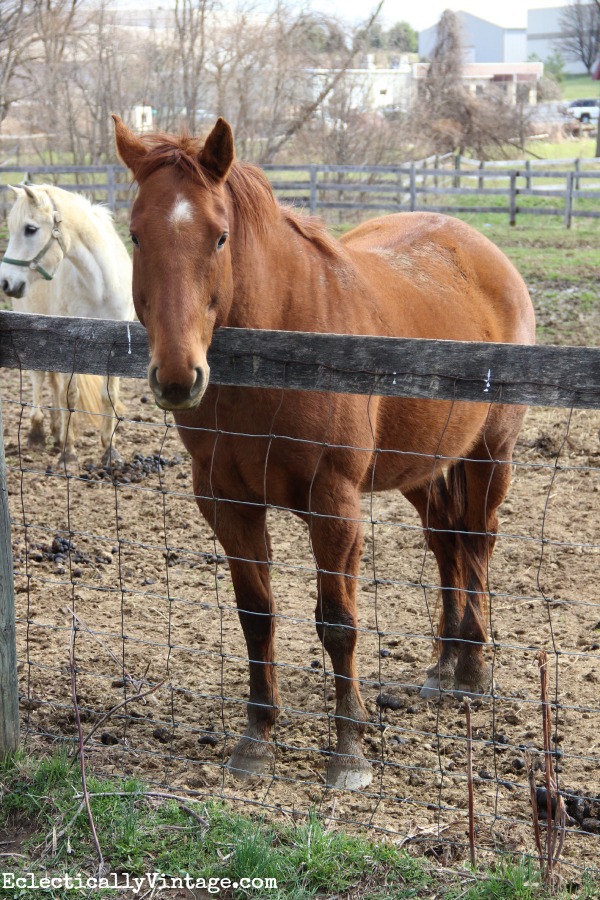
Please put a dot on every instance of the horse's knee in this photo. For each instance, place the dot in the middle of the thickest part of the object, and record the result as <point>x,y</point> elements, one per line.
<point>337,631</point>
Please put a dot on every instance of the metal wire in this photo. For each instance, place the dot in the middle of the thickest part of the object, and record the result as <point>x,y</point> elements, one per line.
<point>416,749</point>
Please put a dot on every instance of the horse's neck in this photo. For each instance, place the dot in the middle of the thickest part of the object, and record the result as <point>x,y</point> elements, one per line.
<point>92,251</point>
<point>283,282</point>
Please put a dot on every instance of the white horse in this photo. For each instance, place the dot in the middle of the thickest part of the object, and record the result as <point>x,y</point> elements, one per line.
<point>65,258</point>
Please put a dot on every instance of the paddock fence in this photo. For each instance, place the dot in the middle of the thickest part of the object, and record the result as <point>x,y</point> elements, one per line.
<point>118,563</point>
<point>568,188</point>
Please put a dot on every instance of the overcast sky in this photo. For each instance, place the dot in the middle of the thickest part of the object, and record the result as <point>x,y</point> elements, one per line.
<point>418,13</point>
<point>423,13</point>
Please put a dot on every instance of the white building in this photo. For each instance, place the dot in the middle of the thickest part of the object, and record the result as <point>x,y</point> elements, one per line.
<point>514,80</point>
<point>484,42</point>
<point>369,89</point>
<point>543,32</point>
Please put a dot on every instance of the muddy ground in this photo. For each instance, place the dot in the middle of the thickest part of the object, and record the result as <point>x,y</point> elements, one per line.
<point>135,560</point>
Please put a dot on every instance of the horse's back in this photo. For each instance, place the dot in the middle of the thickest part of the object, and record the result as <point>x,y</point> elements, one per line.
<point>440,278</point>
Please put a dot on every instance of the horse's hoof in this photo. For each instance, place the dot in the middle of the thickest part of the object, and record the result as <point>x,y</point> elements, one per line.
<point>250,758</point>
<point>111,457</point>
<point>66,457</point>
<point>349,773</point>
<point>36,437</point>
<point>440,680</point>
<point>475,688</point>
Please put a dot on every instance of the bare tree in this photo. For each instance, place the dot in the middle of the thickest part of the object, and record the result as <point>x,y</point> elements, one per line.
<point>190,28</point>
<point>442,109</point>
<point>16,34</point>
<point>580,24</point>
<point>308,109</point>
<point>446,117</point>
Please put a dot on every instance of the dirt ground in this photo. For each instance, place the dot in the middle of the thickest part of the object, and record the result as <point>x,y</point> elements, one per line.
<point>154,603</point>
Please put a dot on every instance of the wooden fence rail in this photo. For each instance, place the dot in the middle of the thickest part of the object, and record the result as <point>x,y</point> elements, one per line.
<point>452,370</point>
<point>409,186</point>
<point>403,367</point>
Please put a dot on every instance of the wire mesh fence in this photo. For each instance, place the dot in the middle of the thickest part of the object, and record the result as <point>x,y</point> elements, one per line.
<point>123,555</point>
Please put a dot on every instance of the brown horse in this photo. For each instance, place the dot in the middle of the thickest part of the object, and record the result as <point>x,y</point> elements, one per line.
<point>212,247</point>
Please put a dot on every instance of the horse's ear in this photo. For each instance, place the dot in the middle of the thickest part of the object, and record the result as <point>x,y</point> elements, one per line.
<point>130,148</point>
<point>218,152</point>
<point>24,186</point>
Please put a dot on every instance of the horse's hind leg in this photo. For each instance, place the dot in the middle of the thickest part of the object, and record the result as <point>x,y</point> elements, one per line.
<point>459,513</point>
<point>55,414</point>
<point>487,476</point>
<point>68,396</point>
<point>36,437</point>
<point>336,537</point>
<point>243,534</point>
<point>435,505</point>
<point>110,406</point>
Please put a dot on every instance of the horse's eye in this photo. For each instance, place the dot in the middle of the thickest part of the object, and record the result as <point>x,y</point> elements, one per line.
<point>221,241</point>
<point>31,229</point>
<point>134,239</point>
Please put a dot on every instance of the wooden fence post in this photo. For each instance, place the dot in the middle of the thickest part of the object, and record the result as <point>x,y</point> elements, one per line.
<point>569,199</point>
<point>528,175</point>
<point>436,165</point>
<point>512,203</point>
<point>577,178</point>
<point>111,196</point>
<point>413,187</point>
<point>456,183</point>
<point>481,180</point>
<point>400,189</point>
<point>9,688</point>
<point>313,201</point>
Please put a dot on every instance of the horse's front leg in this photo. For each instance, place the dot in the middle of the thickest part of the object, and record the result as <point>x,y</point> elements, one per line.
<point>243,534</point>
<point>36,437</point>
<point>336,538</point>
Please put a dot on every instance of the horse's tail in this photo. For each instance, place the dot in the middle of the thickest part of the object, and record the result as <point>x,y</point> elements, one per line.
<point>90,398</point>
<point>474,548</point>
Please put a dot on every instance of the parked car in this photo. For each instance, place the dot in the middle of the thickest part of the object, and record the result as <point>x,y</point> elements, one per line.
<point>585,111</point>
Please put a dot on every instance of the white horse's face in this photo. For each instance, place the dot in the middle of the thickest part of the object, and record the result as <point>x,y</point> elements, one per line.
<point>35,247</point>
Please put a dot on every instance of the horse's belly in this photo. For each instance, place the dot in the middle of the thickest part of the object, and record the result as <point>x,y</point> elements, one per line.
<point>417,438</point>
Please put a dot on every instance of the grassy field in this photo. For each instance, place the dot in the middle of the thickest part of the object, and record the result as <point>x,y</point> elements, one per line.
<point>45,830</point>
<point>576,87</point>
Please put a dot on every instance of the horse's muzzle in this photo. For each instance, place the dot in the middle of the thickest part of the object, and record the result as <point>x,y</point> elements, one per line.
<point>14,289</point>
<point>173,396</point>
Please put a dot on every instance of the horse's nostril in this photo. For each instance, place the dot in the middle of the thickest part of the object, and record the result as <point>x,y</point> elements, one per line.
<point>198,384</point>
<point>5,286</point>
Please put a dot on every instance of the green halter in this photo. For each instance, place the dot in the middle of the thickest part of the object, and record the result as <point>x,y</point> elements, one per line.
<point>34,264</point>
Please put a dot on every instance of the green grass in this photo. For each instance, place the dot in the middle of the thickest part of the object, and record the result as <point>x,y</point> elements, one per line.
<point>570,148</point>
<point>578,87</point>
<point>139,833</point>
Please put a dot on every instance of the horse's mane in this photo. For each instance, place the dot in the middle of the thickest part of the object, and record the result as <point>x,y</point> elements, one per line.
<point>53,195</point>
<point>253,198</point>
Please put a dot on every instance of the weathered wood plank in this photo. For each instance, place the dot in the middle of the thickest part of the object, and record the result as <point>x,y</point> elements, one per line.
<point>541,376</point>
<point>9,687</point>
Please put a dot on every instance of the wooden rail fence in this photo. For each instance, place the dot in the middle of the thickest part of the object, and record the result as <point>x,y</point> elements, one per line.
<point>437,184</point>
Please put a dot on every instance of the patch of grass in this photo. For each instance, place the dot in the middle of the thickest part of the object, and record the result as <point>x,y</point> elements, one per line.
<point>570,148</point>
<point>579,87</point>
<point>140,833</point>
